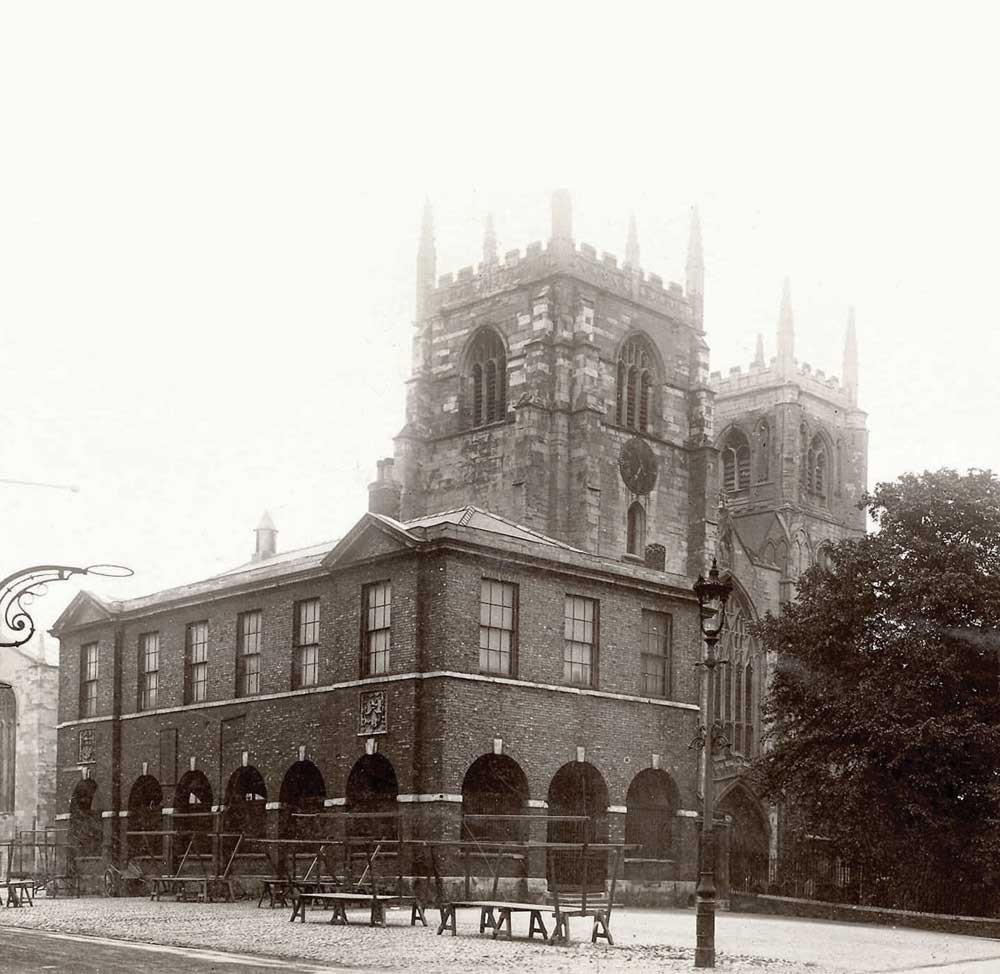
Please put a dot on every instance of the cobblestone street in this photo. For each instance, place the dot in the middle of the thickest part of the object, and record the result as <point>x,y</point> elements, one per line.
<point>645,940</point>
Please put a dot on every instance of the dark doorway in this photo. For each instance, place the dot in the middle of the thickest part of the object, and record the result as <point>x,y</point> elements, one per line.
<point>246,810</point>
<point>85,831</point>
<point>193,814</point>
<point>145,806</point>
<point>578,789</point>
<point>372,788</point>
<point>650,807</point>
<point>494,785</point>
<point>303,792</point>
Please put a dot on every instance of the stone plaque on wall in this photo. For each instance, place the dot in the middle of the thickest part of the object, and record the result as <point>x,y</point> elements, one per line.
<point>88,750</point>
<point>372,717</point>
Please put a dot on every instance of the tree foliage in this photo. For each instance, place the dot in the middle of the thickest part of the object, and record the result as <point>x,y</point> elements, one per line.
<point>883,713</point>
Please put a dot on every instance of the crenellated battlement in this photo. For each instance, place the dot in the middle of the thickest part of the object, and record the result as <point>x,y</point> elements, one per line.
<point>538,261</point>
<point>759,376</point>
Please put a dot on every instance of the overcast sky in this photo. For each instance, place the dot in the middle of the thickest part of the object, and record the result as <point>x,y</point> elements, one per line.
<point>209,215</point>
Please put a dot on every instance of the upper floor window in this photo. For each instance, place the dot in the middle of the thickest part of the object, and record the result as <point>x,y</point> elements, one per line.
<point>497,617</point>
<point>487,369</point>
<point>305,659</point>
<point>634,384</point>
<point>655,653</point>
<point>88,680</point>
<point>149,670</point>
<point>580,648</point>
<point>249,634</point>
<point>377,626</point>
<point>735,462</point>
<point>196,662</point>
<point>635,541</point>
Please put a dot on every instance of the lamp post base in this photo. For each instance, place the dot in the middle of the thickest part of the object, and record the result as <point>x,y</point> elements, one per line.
<point>704,951</point>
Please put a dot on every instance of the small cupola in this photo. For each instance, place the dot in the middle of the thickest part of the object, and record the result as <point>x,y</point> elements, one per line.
<point>267,538</point>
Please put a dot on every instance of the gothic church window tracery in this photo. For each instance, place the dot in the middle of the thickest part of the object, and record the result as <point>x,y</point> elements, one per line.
<point>735,461</point>
<point>487,371</point>
<point>634,385</point>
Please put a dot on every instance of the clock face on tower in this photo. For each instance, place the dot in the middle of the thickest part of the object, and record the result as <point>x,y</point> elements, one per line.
<point>638,465</point>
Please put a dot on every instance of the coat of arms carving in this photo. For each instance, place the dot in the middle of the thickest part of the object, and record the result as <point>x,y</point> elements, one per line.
<point>372,716</point>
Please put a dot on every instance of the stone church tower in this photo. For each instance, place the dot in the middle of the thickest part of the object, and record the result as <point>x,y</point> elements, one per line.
<point>571,394</point>
<point>567,392</point>
<point>793,448</point>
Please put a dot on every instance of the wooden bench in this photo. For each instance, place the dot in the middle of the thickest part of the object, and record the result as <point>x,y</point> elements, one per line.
<point>20,892</point>
<point>496,915</point>
<point>586,900</point>
<point>197,888</point>
<point>341,900</point>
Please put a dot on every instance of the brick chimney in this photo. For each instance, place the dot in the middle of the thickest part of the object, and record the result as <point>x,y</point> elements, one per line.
<point>267,538</point>
<point>385,492</point>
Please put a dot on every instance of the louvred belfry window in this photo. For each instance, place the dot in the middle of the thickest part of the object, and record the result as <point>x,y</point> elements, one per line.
<point>634,385</point>
<point>487,371</point>
<point>735,462</point>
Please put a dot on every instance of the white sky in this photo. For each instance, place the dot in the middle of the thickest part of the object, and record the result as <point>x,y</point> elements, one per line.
<point>209,214</point>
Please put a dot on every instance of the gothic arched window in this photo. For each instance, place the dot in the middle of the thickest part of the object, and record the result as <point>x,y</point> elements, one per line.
<point>8,747</point>
<point>818,467</point>
<point>735,462</point>
<point>803,455</point>
<point>636,542</point>
<point>635,381</point>
<point>737,708</point>
<point>486,363</point>
<point>838,475</point>
<point>763,456</point>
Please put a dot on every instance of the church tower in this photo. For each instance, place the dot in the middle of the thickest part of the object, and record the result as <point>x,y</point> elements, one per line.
<point>793,453</point>
<point>566,392</point>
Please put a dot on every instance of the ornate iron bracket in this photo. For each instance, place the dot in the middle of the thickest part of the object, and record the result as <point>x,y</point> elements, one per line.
<point>719,739</point>
<point>19,590</point>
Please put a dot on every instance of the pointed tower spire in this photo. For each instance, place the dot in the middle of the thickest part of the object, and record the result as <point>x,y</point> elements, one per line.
<point>489,241</point>
<point>632,244</point>
<point>562,219</point>
<point>758,358</point>
<point>851,360</point>
<point>696,267</point>
<point>426,259</point>
<point>786,333</point>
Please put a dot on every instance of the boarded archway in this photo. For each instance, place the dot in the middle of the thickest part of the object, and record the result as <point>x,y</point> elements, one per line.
<point>494,785</point>
<point>578,789</point>
<point>649,819</point>
<point>84,820</point>
<point>372,788</point>
<point>145,806</point>
<point>303,792</point>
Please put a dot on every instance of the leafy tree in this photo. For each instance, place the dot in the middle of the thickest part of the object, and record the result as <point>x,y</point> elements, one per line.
<point>884,713</point>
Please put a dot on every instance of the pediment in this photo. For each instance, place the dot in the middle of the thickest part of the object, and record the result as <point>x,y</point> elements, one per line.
<point>85,609</point>
<point>372,537</point>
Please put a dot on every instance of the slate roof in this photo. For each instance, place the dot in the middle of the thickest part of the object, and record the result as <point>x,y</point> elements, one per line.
<point>286,564</point>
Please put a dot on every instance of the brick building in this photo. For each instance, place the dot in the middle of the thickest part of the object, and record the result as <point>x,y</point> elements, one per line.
<point>511,626</point>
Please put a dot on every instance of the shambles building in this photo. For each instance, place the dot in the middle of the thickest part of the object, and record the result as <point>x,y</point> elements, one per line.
<point>511,626</point>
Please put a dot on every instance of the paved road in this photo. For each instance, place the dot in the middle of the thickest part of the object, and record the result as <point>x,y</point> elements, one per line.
<point>36,951</point>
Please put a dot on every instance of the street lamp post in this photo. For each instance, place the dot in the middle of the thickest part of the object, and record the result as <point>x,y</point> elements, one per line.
<point>712,596</point>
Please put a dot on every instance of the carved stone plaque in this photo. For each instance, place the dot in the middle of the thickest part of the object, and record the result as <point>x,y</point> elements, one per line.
<point>372,717</point>
<point>88,752</point>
